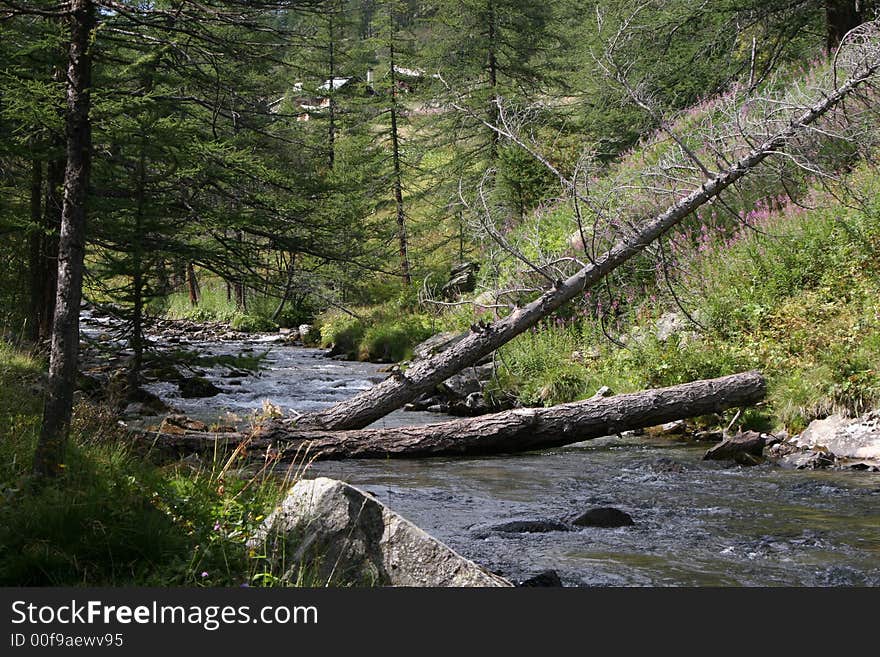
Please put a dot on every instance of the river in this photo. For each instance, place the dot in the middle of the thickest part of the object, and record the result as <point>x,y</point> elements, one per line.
<point>696,523</point>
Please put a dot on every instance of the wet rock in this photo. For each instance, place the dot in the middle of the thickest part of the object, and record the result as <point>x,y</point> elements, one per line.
<point>548,578</point>
<point>197,387</point>
<point>744,448</point>
<point>342,535</point>
<point>530,527</point>
<point>180,424</point>
<point>605,516</point>
<point>664,464</point>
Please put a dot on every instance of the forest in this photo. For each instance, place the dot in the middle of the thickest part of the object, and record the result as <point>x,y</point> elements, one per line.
<point>239,236</point>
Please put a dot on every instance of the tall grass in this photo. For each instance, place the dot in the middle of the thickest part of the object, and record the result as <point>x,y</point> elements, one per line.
<point>120,515</point>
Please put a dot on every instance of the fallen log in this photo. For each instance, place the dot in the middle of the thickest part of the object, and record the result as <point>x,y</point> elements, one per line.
<point>519,430</point>
<point>394,392</point>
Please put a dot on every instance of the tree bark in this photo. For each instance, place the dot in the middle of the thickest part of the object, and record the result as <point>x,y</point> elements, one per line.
<point>52,443</point>
<point>840,17</point>
<point>192,284</point>
<point>395,155</point>
<point>518,430</point>
<point>393,393</point>
<point>35,245</point>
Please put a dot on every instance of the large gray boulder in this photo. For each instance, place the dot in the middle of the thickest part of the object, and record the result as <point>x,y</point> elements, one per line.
<point>329,532</point>
<point>846,439</point>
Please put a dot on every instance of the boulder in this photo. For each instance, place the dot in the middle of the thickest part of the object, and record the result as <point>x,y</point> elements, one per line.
<point>339,535</point>
<point>462,279</point>
<point>746,448</point>
<point>845,438</point>
<point>197,387</point>
<point>604,516</point>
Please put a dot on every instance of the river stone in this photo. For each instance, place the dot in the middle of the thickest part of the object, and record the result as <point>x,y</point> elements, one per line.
<point>340,535</point>
<point>530,527</point>
<point>857,438</point>
<point>544,579</point>
<point>745,448</point>
<point>604,516</point>
<point>197,387</point>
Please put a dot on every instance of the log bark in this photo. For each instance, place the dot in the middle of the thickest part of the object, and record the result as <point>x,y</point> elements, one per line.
<point>513,431</point>
<point>394,392</point>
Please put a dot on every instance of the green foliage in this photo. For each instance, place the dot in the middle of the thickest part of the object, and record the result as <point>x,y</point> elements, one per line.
<point>117,517</point>
<point>385,333</point>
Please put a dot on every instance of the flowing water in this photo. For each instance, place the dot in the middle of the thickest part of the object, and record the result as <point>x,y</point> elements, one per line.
<point>696,523</point>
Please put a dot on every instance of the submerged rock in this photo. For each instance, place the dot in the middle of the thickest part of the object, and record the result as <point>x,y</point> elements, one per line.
<point>604,516</point>
<point>338,534</point>
<point>530,527</point>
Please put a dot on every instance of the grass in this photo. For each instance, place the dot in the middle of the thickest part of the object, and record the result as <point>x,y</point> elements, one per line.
<point>213,306</point>
<point>383,333</point>
<point>118,515</point>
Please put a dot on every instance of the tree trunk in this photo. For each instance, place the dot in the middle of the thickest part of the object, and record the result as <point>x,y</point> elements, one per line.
<point>288,284</point>
<point>36,262</point>
<point>492,66</point>
<point>192,284</point>
<point>518,430</point>
<point>840,17</point>
<point>52,443</point>
<point>393,393</point>
<point>137,278</point>
<point>395,155</point>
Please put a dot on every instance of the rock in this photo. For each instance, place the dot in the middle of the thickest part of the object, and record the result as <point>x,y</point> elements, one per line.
<point>340,535</point>
<point>462,279</point>
<point>304,330</point>
<point>665,464</point>
<point>674,428</point>
<point>469,380</point>
<point>530,527</point>
<point>547,578</point>
<point>604,516</point>
<point>805,460</point>
<point>197,387</point>
<point>750,443</point>
<point>180,424</point>
<point>857,438</point>
<point>436,343</point>
<point>603,392</point>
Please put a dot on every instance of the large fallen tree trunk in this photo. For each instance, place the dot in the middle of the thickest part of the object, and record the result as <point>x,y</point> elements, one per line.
<point>394,392</point>
<point>518,430</point>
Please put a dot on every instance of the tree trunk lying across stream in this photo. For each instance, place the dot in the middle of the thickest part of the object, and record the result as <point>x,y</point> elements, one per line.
<point>518,430</point>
